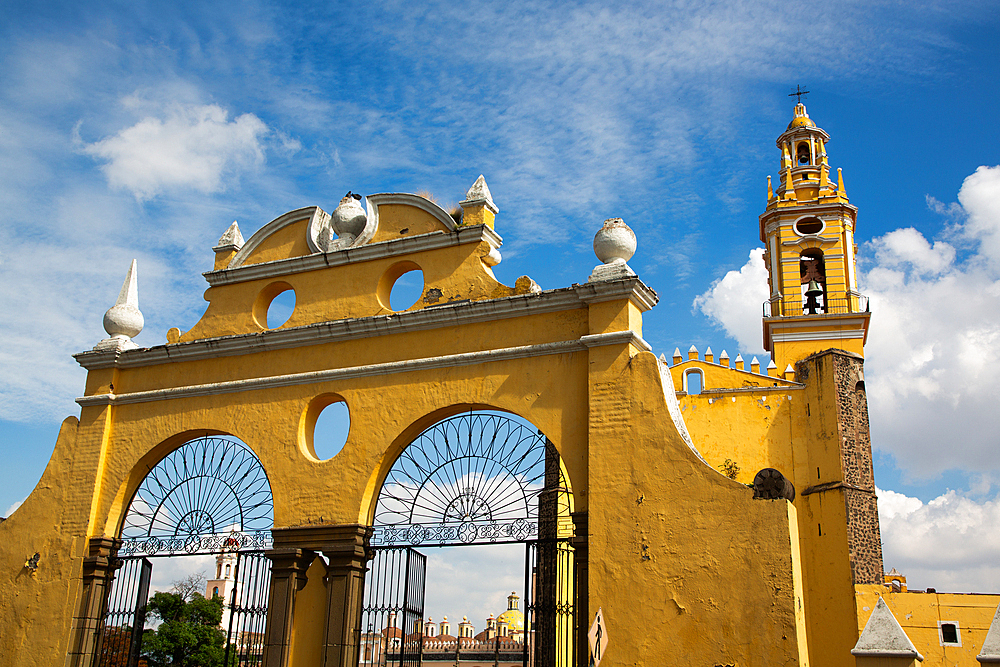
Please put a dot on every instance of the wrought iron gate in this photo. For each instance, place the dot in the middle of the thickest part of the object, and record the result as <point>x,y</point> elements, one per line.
<point>475,478</point>
<point>120,638</point>
<point>244,613</point>
<point>247,609</point>
<point>550,619</point>
<point>392,616</point>
<point>210,496</point>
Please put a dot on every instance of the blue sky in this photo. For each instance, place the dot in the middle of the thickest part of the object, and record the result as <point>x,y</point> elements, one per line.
<point>144,129</point>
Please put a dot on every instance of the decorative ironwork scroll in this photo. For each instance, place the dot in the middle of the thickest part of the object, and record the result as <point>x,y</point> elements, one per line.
<point>207,496</point>
<point>473,478</point>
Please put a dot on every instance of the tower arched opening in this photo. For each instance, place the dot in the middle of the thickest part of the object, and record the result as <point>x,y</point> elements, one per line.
<point>812,275</point>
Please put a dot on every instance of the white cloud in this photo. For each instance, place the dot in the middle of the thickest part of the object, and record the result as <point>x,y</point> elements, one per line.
<point>14,506</point>
<point>950,543</point>
<point>933,349</point>
<point>193,146</point>
<point>735,302</point>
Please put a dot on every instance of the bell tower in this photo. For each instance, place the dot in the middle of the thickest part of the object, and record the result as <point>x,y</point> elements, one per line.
<point>808,232</point>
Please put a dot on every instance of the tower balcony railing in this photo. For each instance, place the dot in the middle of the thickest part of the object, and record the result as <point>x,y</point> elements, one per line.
<point>795,307</point>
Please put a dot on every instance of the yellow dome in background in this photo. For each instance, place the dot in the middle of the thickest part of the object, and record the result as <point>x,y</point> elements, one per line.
<point>801,118</point>
<point>513,616</point>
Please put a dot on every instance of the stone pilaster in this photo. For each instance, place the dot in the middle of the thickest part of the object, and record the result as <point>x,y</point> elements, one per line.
<point>345,547</point>
<point>98,570</point>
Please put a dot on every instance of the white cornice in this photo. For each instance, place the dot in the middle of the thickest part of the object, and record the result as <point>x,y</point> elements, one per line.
<point>446,361</point>
<point>451,314</point>
<point>817,335</point>
<point>363,253</point>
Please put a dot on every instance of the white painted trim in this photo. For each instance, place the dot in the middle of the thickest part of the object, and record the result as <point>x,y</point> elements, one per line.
<point>817,335</point>
<point>314,213</point>
<point>368,370</point>
<point>363,253</point>
<point>451,314</point>
<point>819,320</point>
<point>849,252</point>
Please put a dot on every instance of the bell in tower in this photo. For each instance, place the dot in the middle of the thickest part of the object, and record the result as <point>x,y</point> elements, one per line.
<point>808,230</point>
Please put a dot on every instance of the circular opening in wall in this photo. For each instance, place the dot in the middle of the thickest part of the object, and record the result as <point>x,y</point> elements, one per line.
<point>407,290</point>
<point>809,226</point>
<point>401,286</point>
<point>333,424</point>
<point>279,311</point>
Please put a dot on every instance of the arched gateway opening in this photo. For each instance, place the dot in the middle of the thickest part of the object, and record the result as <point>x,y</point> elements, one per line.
<point>485,483</point>
<point>209,503</point>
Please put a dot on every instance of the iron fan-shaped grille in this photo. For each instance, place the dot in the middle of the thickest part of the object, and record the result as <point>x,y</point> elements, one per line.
<point>476,477</point>
<point>207,495</point>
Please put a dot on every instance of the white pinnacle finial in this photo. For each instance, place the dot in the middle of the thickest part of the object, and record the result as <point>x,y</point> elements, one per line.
<point>123,321</point>
<point>232,238</point>
<point>479,193</point>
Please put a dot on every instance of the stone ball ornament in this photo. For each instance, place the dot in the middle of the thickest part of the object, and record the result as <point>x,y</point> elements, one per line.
<point>615,242</point>
<point>123,320</point>
<point>349,218</point>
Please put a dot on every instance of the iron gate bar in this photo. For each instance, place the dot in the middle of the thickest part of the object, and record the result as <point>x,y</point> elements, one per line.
<point>124,614</point>
<point>248,608</point>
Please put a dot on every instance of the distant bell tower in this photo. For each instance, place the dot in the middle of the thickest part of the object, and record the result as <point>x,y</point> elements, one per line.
<point>808,232</point>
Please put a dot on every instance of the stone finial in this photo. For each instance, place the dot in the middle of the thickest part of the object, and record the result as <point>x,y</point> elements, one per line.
<point>479,193</point>
<point>478,207</point>
<point>990,653</point>
<point>614,244</point>
<point>883,637</point>
<point>754,365</point>
<point>709,355</point>
<point>229,244</point>
<point>789,372</point>
<point>772,368</point>
<point>677,356</point>
<point>232,239</point>
<point>349,218</point>
<point>840,183</point>
<point>123,321</point>
<point>739,362</point>
<point>724,359</point>
<point>692,352</point>
<point>663,359</point>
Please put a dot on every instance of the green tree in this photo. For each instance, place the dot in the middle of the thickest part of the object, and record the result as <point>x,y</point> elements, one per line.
<point>188,634</point>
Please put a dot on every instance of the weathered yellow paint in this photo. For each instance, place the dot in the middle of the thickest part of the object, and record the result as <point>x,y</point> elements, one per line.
<point>918,613</point>
<point>289,241</point>
<point>396,221</point>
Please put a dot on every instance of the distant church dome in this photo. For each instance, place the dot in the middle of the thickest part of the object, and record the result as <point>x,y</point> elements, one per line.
<point>513,616</point>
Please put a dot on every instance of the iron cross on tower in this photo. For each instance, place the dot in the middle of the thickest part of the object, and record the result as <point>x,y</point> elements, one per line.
<point>798,93</point>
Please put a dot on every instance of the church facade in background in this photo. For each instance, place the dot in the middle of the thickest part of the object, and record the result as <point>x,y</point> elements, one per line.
<point>716,512</point>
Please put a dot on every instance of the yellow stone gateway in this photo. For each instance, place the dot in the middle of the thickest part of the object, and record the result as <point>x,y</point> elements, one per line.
<point>719,514</point>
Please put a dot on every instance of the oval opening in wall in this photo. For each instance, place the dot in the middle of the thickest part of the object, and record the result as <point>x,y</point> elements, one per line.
<point>407,290</point>
<point>332,428</point>
<point>280,309</point>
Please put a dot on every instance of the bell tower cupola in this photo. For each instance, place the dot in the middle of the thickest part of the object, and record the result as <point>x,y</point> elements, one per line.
<point>808,232</point>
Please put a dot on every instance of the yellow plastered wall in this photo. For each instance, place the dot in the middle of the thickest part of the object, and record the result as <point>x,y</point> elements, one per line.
<point>791,427</point>
<point>717,570</point>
